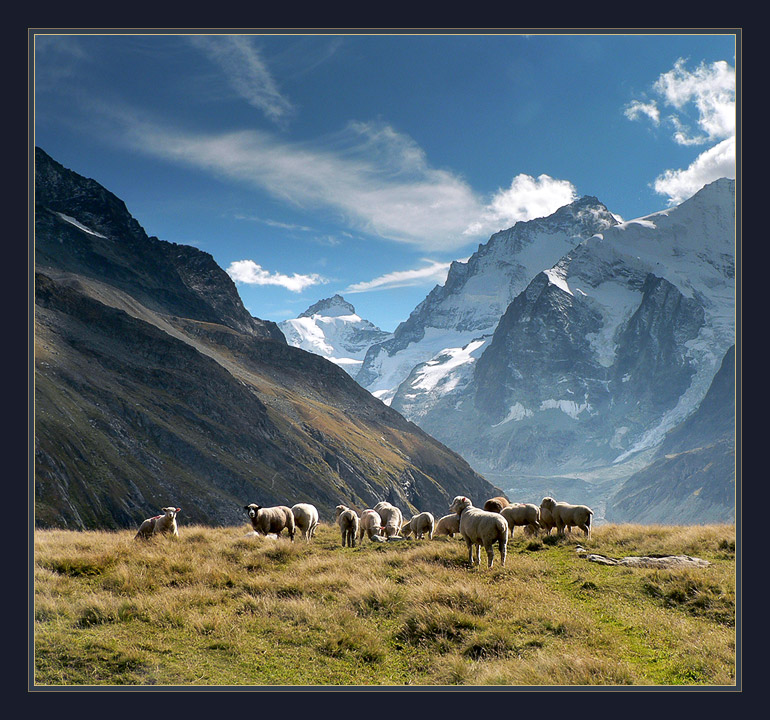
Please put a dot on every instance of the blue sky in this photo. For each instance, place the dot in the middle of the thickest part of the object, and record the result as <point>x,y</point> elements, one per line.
<point>363,164</point>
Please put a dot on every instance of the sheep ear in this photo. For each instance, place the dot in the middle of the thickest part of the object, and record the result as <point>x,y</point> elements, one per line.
<point>179,509</point>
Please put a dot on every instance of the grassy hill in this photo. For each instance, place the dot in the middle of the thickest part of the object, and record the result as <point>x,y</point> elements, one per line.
<point>222,607</point>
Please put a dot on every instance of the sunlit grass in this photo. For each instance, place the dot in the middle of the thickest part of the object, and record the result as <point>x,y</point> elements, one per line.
<point>221,607</point>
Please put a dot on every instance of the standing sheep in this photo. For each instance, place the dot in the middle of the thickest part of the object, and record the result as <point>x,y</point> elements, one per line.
<point>447,525</point>
<point>496,504</point>
<point>566,515</point>
<point>522,514</point>
<point>159,524</point>
<point>481,527</point>
<point>419,525</point>
<point>547,522</point>
<point>370,525</point>
<point>392,519</point>
<point>305,519</point>
<point>348,522</point>
<point>271,520</point>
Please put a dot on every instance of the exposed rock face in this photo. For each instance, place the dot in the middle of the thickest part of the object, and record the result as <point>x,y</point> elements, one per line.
<point>692,477</point>
<point>469,305</point>
<point>82,228</point>
<point>154,385</point>
<point>601,354</point>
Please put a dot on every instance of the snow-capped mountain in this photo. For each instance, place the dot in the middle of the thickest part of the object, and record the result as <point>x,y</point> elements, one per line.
<point>434,349</point>
<point>602,353</point>
<point>331,328</point>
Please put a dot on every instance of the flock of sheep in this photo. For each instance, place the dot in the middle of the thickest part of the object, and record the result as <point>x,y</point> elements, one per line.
<point>493,524</point>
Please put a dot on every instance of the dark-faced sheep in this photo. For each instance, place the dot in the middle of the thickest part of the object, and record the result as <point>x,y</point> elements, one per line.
<point>420,525</point>
<point>267,520</point>
<point>305,519</point>
<point>496,504</point>
<point>392,519</point>
<point>568,516</point>
<point>159,524</point>
<point>447,525</point>
<point>522,514</point>
<point>369,525</point>
<point>481,527</point>
<point>348,522</point>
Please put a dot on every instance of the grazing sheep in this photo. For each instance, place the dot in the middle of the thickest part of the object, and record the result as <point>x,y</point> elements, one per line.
<point>271,520</point>
<point>496,504</point>
<point>392,519</point>
<point>522,514</point>
<point>305,519</point>
<point>566,515</point>
<point>419,525</point>
<point>370,525</point>
<point>348,522</point>
<point>547,522</point>
<point>447,525</point>
<point>159,524</point>
<point>481,527</point>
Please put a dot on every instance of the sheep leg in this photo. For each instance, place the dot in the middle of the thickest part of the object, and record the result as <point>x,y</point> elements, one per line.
<point>470,550</point>
<point>490,554</point>
<point>503,550</point>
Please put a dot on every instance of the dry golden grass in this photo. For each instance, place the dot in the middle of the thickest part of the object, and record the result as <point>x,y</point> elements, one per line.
<point>220,607</point>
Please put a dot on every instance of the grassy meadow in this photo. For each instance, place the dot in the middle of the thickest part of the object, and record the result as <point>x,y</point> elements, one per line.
<point>221,607</point>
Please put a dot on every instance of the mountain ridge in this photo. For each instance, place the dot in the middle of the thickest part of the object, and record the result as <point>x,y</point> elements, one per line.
<point>153,385</point>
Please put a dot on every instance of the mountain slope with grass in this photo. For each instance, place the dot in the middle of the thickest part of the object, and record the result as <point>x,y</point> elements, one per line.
<point>155,386</point>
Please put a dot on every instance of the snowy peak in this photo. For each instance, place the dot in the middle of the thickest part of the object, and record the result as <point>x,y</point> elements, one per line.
<point>476,293</point>
<point>335,306</point>
<point>332,329</point>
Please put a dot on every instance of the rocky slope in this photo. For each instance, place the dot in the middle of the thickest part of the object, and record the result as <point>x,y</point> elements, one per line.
<point>602,353</point>
<point>154,385</point>
<point>433,350</point>
<point>692,476</point>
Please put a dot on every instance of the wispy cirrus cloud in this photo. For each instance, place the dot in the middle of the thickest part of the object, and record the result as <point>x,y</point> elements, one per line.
<point>245,71</point>
<point>433,272</point>
<point>249,272</point>
<point>699,108</point>
<point>377,180</point>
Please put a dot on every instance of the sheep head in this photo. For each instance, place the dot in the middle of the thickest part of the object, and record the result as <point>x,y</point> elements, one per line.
<point>171,512</point>
<point>459,504</point>
<point>548,503</point>
<point>252,509</point>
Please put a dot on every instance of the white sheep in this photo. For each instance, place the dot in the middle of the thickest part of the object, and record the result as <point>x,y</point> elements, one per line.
<point>522,514</point>
<point>566,515</point>
<point>392,519</point>
<point>496,504</point>
<point>481,527</point>
<point>447,525</point>
<point>369,525</point>
<point>265,521</point>
<point>159,524</point>
<point>547,522</point>
<point>348,522</point>
<point>305,519</point>
<point>421,525</point>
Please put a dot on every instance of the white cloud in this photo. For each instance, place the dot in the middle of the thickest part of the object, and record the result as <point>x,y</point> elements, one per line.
<point>434,272</point>
<point>703,98</point>
<point>371,177</point>
<point>711,88</point>
<point>711,165</point>
<point>245,71</point>
<point>250,273</point>
<point>529,198</point>
<point>637,108</point>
